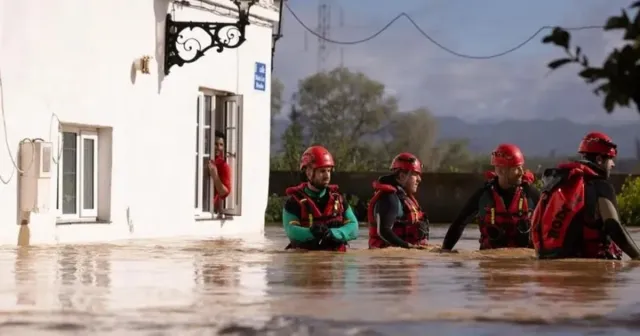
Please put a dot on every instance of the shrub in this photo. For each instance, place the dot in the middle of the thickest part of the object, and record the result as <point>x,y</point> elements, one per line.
<point>629,202</point>
<point>353,200</point>
<point>538,183</point>
<point>275,204</point>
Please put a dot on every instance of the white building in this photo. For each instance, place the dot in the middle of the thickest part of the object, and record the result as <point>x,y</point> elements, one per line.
<point>121,153</point>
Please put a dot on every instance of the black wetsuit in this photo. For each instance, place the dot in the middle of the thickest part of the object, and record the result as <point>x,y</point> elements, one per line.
<point>475,206</point>
<point>389,207</point>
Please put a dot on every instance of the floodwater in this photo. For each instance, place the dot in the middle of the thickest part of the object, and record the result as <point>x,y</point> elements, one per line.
<point>253,287</point>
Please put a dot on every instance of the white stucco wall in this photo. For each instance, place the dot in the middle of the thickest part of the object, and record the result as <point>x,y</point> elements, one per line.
<point>73,58</point>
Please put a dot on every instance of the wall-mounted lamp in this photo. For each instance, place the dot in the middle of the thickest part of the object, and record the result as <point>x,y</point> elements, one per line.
<point>142,64</point>
<point>180,49</point>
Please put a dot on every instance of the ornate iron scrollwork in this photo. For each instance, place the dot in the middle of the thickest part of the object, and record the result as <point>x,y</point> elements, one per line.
<point>187,41</point>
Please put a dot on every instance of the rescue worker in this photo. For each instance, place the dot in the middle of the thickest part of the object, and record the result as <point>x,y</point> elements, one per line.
<point>316,216</point>
<point>577,216</point>
<point>503,205</point>
<point>394,215</point>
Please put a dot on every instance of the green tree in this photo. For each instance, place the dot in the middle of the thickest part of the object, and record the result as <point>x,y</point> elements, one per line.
<point>277,90</point>
<point>454,156</point>
<point>413,132</point>
<point>618,77</point>
<point>629,202</point>
<point>343,110</point>
<point>293,144</point>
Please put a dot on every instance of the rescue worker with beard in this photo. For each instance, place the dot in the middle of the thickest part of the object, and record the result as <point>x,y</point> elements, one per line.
<point>394,215</point>
<point>316,216</point>
<point>503,205</point>
<point>577,216</point>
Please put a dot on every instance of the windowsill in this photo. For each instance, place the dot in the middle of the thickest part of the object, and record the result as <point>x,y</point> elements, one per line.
<point>73,221</point>
<point>212,217</point>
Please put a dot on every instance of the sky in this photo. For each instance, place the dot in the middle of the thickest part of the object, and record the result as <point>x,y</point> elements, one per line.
<point>515,86</point>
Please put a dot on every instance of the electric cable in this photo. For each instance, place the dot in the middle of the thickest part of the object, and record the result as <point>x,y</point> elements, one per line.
<point>429,38</point>
<point>7,143</point>
<point>31,141</point>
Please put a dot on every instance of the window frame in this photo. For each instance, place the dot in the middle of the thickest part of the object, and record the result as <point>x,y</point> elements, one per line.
<point>81,134</point>
<point>234,152</point>
<point>221,117</point>
<point>200,153</point>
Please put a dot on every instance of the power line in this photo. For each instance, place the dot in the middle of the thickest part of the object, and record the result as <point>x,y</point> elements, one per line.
<point>431,39</point>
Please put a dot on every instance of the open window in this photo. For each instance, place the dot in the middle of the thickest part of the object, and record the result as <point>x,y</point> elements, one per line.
<point>221,111</point>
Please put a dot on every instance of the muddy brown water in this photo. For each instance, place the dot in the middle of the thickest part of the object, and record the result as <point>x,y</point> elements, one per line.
<point>253,287</point>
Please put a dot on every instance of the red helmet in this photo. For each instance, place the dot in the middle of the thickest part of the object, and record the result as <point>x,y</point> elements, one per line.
<point>316,157</point>
<point>407,161</point>
<point>507,155</point>
<point>598,143</point>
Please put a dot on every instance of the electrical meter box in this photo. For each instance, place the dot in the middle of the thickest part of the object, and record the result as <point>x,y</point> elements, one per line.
<point>36,164</point>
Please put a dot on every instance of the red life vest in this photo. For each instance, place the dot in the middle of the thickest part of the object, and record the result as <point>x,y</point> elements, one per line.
<point>331,215</point>
<point>406,228</point>
<point>502,226</point>
<point>559,204</point>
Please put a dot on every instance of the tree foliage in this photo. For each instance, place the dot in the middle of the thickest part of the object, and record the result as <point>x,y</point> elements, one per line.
<point>618,77</point>
<point>341,108</point>
<point>353,116</point>
<point>293,144</point>
<point>454,156</point>
<point>413,132</point>
<point>629,202</point>
<point>277,90</point>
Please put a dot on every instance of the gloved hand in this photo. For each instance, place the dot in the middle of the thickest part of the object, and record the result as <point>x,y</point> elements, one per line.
<point>319,231</point>
<point>334,224</point>
<point>524,226</point>
<point>497,236</point>
<point>613,252</point>
<point>423,230</point>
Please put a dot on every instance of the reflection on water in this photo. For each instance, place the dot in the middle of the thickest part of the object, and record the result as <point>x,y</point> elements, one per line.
<point>83,274</point>
<point>318,276</point>
<point>253,287</point>
<point>582,287</point>
<point>393,276</point>
<point>212,271</point>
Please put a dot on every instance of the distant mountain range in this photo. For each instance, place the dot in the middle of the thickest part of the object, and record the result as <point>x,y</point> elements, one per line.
<point>542,138</point>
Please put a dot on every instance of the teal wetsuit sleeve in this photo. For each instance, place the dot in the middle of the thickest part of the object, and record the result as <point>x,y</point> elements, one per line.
<point>292,228</point>
<point>349,231</point>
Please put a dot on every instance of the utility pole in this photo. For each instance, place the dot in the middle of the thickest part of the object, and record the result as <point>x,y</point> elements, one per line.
<point>324,32</point>
<point>341,24</point>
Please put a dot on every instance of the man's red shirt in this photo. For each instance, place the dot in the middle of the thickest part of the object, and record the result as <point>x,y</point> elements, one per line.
<point>224,172</point>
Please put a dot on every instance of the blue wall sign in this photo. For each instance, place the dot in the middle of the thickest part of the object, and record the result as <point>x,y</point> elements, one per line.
<point>260,77</point>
